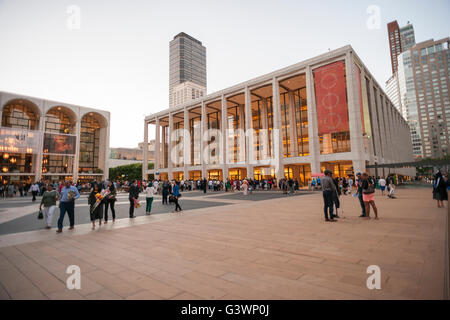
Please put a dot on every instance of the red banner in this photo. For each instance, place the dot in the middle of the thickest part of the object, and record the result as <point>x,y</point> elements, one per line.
<point>331,98</point>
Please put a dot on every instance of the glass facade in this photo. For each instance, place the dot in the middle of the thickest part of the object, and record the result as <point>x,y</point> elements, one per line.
<point>19,116</point>
<point>89,144</point>
<point>235,137</point>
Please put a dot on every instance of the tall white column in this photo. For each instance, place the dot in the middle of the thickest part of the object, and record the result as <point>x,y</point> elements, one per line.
<point>76,163</point>
<point>354,110</point>
<point>157,151</point>
<point>277,135</point>
<point>162,159</point>
<point>223,147</point>
<point>292,125</point>
<point>169,153</point>
<point>249,145</point>
<point>375,125</point>
<point>264,142</point>
<point>203,129</point>
<point>186,145</point>
<point>145,152</point>
<point>313,131</point>
<point>41,146</point>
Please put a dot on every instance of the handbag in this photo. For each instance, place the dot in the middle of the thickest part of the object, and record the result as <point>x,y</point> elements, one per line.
<point>370,188</point>
<point>171,199</point>
<point>40,215</point>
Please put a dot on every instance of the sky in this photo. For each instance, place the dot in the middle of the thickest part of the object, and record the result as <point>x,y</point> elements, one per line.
<point>115,57</point>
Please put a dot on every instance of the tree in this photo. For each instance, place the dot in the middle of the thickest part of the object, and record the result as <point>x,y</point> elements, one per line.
<point>128,172</point>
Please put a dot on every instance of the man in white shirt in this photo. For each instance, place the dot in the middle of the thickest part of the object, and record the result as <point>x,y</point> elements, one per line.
<point>34,191</point>
<point>156,185</point>
<point>149,192</point>
<point>382,184</point>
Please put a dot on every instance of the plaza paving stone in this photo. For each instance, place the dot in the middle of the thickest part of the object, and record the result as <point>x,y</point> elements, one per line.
<point>274,249</point>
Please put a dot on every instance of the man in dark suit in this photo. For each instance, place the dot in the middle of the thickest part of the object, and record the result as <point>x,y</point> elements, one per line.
<point>133,194</point>
<point>165,191</point>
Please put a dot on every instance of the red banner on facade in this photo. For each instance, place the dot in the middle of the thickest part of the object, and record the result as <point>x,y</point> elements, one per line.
<point>331,98</point>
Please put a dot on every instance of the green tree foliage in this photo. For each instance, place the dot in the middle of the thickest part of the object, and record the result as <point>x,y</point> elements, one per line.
<point>128,172</point>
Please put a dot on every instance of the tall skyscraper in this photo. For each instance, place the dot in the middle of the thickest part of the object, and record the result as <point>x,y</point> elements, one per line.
<point>395,43</point>
<point>187,69</point>
<point>400,40</point>
<point>407,37</point>
<point>423,77</point>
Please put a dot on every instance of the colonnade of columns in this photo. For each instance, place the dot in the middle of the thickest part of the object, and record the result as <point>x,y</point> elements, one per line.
<point>362,145</point>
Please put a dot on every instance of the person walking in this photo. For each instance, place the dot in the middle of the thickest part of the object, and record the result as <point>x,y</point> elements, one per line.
<point>95,205</point>
<point>34,191</point>
<point>149,192</point>
<point>67,204</point>
<point>328,191</point>
<point>440,189</point>
<point>368,189</point>
<point>176,195</point>
<point>110,201</point>
<point>360,194</point>
<point>133,196</point>
<point>49,199</point>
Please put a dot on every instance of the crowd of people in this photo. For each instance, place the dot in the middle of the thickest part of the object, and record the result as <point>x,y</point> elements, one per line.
<point>103,194</point>
<point>334,188</point>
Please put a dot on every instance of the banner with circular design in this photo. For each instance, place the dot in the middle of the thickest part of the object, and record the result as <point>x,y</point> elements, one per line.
<point>331,98</point>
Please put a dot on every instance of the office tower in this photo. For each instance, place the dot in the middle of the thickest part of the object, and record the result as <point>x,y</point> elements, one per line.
<point>395,43</point>
<point>407,36</point>
<point>400,40</point>
<point>187,70</point>
<point>423,83</point>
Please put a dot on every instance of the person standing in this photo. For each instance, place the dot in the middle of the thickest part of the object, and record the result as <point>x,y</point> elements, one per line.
<point>439,189</point>
<point>110,201</point>
<point>67,204</point>
<point>336,197</point>
<point>350,184</point>
<point>165,192</point>
<point>328,190</point>
<point>95,205</point>
<point>368,189</point>
<point>149,192</point>
<point>133,196</point>
<point>176,195</point>
<point>382,184</point>
<point>34,190</point>
<point>360,194</point>
<point>49,199</point>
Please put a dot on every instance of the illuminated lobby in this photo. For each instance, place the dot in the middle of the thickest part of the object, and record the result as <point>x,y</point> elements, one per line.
<point>327,112</point>
<point>53,141</point>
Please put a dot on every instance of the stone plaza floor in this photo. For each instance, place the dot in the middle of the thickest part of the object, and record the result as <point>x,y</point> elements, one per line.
<point>279,248</point>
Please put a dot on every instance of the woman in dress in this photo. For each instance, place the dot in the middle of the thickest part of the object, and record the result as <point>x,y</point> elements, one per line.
<point>96,209</point>
<point>245,187</point>
<point>368,189</point>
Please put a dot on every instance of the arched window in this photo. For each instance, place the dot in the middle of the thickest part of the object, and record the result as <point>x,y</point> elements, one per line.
<point>20,115</point>
<point>59,120</point>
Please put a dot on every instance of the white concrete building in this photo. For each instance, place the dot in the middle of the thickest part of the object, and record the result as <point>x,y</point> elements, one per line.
<point>186,92</point>
<point>44,139</point>
<point>327,112</point>
<point>393,92</point>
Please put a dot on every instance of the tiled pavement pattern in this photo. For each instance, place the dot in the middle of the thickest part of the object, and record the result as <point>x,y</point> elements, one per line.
<point>275,249</point>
